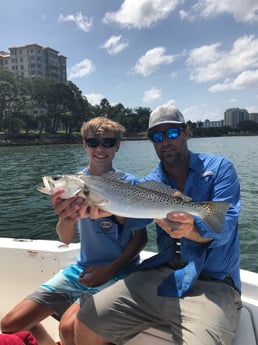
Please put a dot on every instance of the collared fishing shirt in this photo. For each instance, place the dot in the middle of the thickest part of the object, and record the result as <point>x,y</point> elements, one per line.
<point>210,177</point>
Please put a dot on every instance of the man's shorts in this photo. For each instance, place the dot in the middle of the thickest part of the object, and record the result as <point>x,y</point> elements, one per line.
<point>64,289</point>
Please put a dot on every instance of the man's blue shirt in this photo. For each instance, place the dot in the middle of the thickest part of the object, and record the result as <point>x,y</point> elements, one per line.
<point>209,177</point>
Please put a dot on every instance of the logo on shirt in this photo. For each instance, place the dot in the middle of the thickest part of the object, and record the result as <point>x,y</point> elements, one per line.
<point>105,225</point>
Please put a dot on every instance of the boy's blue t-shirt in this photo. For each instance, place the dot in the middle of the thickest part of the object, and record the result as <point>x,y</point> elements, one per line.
<point>103,240</point>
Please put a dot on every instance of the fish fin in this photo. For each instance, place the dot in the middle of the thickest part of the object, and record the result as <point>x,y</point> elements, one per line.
<point>111,175</point>
<point>164,188</point>
<point>215,215</point>
<point>116,176</point>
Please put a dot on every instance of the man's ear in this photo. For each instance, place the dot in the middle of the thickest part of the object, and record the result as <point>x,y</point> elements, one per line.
<point>187,132</point>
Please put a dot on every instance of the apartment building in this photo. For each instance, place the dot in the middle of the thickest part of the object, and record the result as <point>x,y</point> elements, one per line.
<point>35,61</point>
<point>233,116</point>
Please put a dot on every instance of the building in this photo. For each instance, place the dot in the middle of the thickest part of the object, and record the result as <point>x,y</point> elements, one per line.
<point>209,124</point>
<point>233,116</point>
<point>35,61</point>
<point>253,117</point>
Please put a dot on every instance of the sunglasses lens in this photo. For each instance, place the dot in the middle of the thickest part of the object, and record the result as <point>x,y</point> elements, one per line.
<point>92,142</point>
<point>108,142</point>
<point>157,137</point>
<point>172,133</point>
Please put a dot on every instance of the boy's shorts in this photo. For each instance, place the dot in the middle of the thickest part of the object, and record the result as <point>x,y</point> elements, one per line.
<point>64,289</point>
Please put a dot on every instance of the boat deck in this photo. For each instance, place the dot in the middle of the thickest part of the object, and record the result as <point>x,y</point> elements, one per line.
<point>25,264</point>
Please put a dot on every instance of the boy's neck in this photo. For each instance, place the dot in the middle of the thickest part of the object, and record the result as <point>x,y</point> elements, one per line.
<point>99,171</point>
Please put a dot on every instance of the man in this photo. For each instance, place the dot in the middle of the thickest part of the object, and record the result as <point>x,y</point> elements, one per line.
<point>192,287</point>
<point>109,247</point>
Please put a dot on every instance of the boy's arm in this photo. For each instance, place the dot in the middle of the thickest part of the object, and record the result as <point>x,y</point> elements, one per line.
<point>133,248</point>
<point>100,274</point>
<point>67,212</point>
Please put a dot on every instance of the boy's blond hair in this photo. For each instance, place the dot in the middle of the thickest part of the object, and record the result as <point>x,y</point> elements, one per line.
<point>100,125</point>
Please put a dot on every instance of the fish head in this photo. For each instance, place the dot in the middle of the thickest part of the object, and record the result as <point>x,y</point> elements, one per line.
<point>71,184</point>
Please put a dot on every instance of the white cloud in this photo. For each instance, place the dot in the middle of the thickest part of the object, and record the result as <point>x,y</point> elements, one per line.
<point>242,11</point>
<point>201,112</point>
<point>141,13</point>
<point>246,79</point>
<point>173,75</point>
<point>152,60</point>
<point>232,100</point>
<point>94,98</point>
<point>84,23</point>
<point>209,63</point>
<point>115,45</point>
<point>151,95</point>
<point>81,69</point>
<point>252,109</point>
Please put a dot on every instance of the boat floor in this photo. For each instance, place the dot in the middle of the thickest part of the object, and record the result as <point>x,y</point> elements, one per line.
<point>25,264</point>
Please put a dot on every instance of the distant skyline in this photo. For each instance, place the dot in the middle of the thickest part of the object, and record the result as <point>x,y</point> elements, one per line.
<point>200,55</point>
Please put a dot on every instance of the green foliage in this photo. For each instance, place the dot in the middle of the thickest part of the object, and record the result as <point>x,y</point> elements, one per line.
<point>45,105</point>
<point>50,106</point>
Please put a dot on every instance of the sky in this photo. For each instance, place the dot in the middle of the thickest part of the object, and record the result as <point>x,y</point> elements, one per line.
<point>201,56</point>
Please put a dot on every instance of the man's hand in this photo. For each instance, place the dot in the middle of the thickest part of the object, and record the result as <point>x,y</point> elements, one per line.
<point>177,225</point>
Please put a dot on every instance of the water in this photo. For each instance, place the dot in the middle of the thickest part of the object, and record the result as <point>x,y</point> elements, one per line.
<point>26,213</point>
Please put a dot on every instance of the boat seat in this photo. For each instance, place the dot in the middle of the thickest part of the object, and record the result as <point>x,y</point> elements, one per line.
<point>245,334</point>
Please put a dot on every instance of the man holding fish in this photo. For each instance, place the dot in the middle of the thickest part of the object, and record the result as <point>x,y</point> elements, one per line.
<point>192,286</point>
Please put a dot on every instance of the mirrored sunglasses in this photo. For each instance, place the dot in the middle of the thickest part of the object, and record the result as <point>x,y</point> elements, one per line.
<point>171,133</point>
<point>105,142</point>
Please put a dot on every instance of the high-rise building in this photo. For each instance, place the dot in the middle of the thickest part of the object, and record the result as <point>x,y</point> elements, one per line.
<point>35,61</point>
<point>233,116</point>
<point>253,117</point>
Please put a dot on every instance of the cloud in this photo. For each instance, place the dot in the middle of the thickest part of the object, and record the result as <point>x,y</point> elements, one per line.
<point>252,109</point>
<point>151,95</point>
<point>173,75</point>
<point>84,23</point>
<point>210,62</point>
<point>246,79</point>
<point>141,13</point>
<point>201,112</point>
<point>94,98</point>
<point>242,11</point>
<point>81,69</point>
<point>151,61</point>
<point>115,45</point>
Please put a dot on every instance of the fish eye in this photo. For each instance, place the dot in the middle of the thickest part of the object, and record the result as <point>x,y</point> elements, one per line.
<point>57,177</point>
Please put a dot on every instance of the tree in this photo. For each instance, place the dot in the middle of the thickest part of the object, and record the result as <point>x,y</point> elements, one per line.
<point>248,126</point>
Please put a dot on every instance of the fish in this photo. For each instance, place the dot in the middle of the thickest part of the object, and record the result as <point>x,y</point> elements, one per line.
<point>146,200</point>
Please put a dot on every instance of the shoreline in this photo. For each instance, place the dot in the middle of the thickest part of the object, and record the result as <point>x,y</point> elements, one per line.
<point>47,139</point>
<point>64,139</point>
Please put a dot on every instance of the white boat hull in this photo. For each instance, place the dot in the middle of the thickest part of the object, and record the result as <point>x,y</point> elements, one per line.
<point>25,264</point>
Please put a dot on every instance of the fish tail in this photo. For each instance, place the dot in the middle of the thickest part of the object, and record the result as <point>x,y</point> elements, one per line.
<point>215,212</point>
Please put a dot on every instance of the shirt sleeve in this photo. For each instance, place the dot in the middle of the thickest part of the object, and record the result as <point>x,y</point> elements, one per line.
<point>225,188</point>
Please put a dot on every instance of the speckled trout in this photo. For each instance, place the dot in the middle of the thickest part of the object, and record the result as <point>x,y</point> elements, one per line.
<point>149,199</point>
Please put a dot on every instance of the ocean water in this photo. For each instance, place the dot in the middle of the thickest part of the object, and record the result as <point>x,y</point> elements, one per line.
<point>26,213</point>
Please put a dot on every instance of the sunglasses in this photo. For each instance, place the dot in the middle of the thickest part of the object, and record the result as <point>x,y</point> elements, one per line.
<point>171,133</point>
<point>108,143</point>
